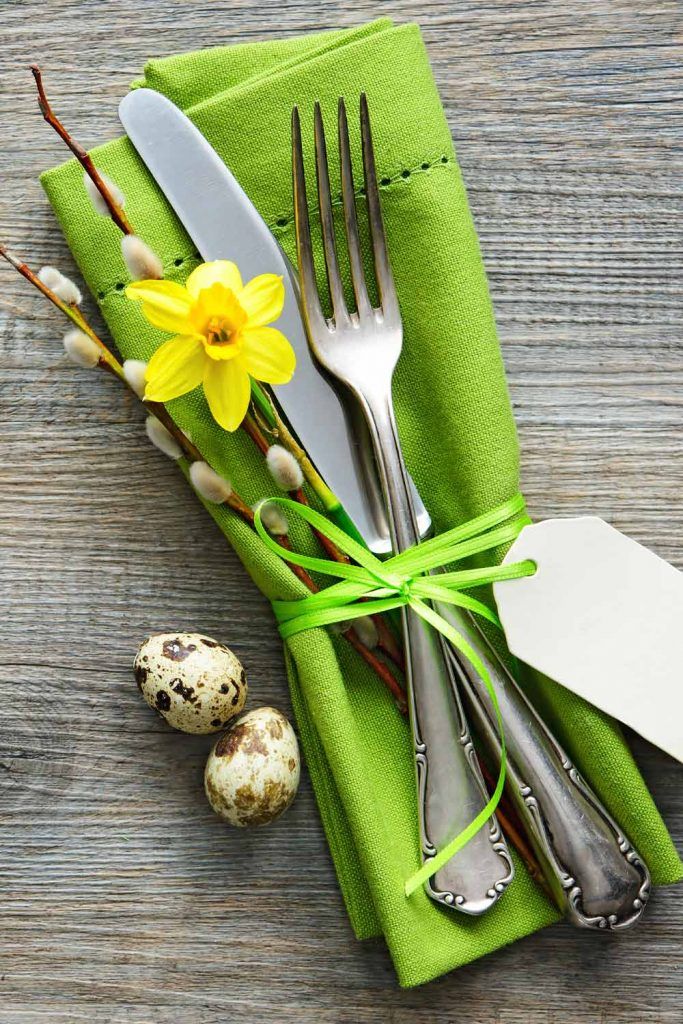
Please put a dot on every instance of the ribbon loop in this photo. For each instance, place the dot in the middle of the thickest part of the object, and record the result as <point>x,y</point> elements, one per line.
<point>370,587</point>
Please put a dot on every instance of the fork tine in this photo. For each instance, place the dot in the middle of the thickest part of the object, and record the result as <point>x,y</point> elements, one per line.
<point>350,219</point>
<point>385,278</point>
<point>326,221</point>
<point>304,246</point>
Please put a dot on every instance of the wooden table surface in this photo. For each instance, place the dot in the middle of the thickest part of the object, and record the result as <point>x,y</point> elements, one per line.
<point>122,897</point>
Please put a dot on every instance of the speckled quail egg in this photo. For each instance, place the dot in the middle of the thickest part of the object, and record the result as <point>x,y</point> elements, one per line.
<point>252,773</point>
<point>195,683</point>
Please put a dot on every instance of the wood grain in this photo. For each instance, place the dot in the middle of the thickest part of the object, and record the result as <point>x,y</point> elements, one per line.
<point>123,898</point>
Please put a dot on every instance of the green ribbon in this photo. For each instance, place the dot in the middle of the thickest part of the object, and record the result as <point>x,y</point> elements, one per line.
<point>371,586</point>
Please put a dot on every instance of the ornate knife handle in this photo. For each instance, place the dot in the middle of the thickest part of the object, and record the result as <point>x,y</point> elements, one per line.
<point>595,874</point>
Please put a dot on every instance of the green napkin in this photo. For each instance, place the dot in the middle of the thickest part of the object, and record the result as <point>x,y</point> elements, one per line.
<point>455,421</point>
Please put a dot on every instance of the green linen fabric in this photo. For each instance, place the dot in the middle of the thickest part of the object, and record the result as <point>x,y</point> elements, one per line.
<point>455,420</point>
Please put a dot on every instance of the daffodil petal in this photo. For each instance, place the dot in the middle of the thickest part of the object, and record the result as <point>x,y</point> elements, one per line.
<point>228,389</point>
<point>267,355</point>
<point>262,299</point>
<point>176,367</point>
<point>215,272</point>
<point>164,303</point>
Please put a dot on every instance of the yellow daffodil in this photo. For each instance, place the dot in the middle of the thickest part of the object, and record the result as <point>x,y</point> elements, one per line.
<point>221,337</point>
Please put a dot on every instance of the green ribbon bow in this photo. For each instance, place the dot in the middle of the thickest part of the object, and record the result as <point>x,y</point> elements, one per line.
<point>402,581</point>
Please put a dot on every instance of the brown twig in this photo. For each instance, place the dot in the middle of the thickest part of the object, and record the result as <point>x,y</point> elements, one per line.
<point>298,570</point>
<point>386,639</point>
<point>253,429</point>
<point>388,642</point>
<point>115,209</point>
<point>380,668</point>
<point>328,546</point>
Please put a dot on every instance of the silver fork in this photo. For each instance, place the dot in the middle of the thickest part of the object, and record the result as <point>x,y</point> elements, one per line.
<point>361,350</point>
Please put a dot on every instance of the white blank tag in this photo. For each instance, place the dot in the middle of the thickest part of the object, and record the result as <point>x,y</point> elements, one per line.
<point>603,616</point>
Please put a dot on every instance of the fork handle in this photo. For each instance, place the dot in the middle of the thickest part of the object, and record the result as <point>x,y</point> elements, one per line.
<point>450,788</point>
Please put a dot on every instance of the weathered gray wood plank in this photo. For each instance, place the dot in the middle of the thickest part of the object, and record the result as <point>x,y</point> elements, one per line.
<point>123,899</point>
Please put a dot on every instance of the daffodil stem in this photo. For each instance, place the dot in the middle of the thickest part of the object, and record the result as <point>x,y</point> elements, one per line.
<point>115,209</point>
<point>380,669</point>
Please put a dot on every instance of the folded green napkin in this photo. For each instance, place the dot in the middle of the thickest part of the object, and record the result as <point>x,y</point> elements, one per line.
<point>455,421</point>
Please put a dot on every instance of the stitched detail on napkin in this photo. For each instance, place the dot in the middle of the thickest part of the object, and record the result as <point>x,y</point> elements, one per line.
<point>283,223</point>
<point>386,181</point>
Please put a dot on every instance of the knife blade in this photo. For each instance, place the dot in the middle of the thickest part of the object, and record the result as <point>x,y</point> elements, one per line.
<point>223,223</point>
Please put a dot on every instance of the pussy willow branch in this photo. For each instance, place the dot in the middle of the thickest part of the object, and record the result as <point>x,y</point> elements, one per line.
<point>107,360</point>
<point>387,640</point>
<point>111,364</point>
<point>115,209</point>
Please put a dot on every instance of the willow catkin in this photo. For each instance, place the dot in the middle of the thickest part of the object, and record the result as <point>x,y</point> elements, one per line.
<point>209,484</point>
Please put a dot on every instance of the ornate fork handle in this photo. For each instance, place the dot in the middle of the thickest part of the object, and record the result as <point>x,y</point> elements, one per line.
<point>451,791</point>
<point>596,876</point>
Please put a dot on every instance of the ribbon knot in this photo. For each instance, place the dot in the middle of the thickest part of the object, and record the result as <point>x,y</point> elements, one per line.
<point>368,586</point>
<point>403,588</point>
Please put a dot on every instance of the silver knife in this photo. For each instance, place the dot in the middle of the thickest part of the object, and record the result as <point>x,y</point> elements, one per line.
<point>223,223</point>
